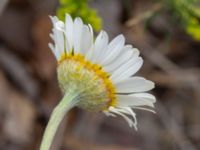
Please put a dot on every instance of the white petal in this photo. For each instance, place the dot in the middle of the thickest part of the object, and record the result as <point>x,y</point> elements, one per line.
<point>59,53</point>
<point>143,108</point>
<point>65,43</point>
<point>126,70</point>
<point>78,29</point>
<point>90,51</point>
<point>91,32</point>
<point>54,19</point>
<point>129,111</point>
<point>148,96</point>
<point>132,69</point>
<point>58,36</point>
<point>100,43</point>
<point>51,36</point>
<point>131,100</point>
<point>59,25</point>
<point>69,25</point>
<point>86,40</point>
<point>134,84</point>
<point>116,111</point>
<point>55,52</point>
<point>107,113</point>
<point>127,53</point>
<point>113,49</point>
<point>59,40</point>
<point>128,46</point>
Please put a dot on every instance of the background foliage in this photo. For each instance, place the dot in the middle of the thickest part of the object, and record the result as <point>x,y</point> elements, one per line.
<point>188,12</point>
<point>80,8</point>
<point>29,89</point>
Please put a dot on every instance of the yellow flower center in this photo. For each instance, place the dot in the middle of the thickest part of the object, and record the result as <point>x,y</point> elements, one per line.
<point>90,80</point>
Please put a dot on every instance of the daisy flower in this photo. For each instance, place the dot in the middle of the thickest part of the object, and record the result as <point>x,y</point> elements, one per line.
<point>97,75</point>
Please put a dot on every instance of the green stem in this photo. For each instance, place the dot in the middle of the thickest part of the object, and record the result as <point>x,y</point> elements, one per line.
<point>68,101</point>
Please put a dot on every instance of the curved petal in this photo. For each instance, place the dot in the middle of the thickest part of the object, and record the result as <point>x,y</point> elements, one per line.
<point>69,31</point>
<point>113,49</point>
<point>55,52</point>
<point>78,29</point>
<point>134,100</point>
<point>59,40</point>
<point>127,54</point>
<point>86,40</point>
<point>134,84</point>
<point>121,112</point>
<point>100,43</point>
<point>127,69</point>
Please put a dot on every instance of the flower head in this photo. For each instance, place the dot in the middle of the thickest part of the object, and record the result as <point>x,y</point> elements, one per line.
<point>100,71</point>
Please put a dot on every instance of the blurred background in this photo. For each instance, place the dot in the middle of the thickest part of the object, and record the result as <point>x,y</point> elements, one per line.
<point>167,32</point>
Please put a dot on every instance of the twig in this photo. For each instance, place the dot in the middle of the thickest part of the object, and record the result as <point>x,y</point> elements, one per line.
<point>3,4</point>
<point>141,17</point>
<point>174,129</point>
<point>154,55</point>
<point>186,76</point>
<point>18,72</point>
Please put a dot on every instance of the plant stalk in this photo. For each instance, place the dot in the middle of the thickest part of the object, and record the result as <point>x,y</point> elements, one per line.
<point>69,100</point>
